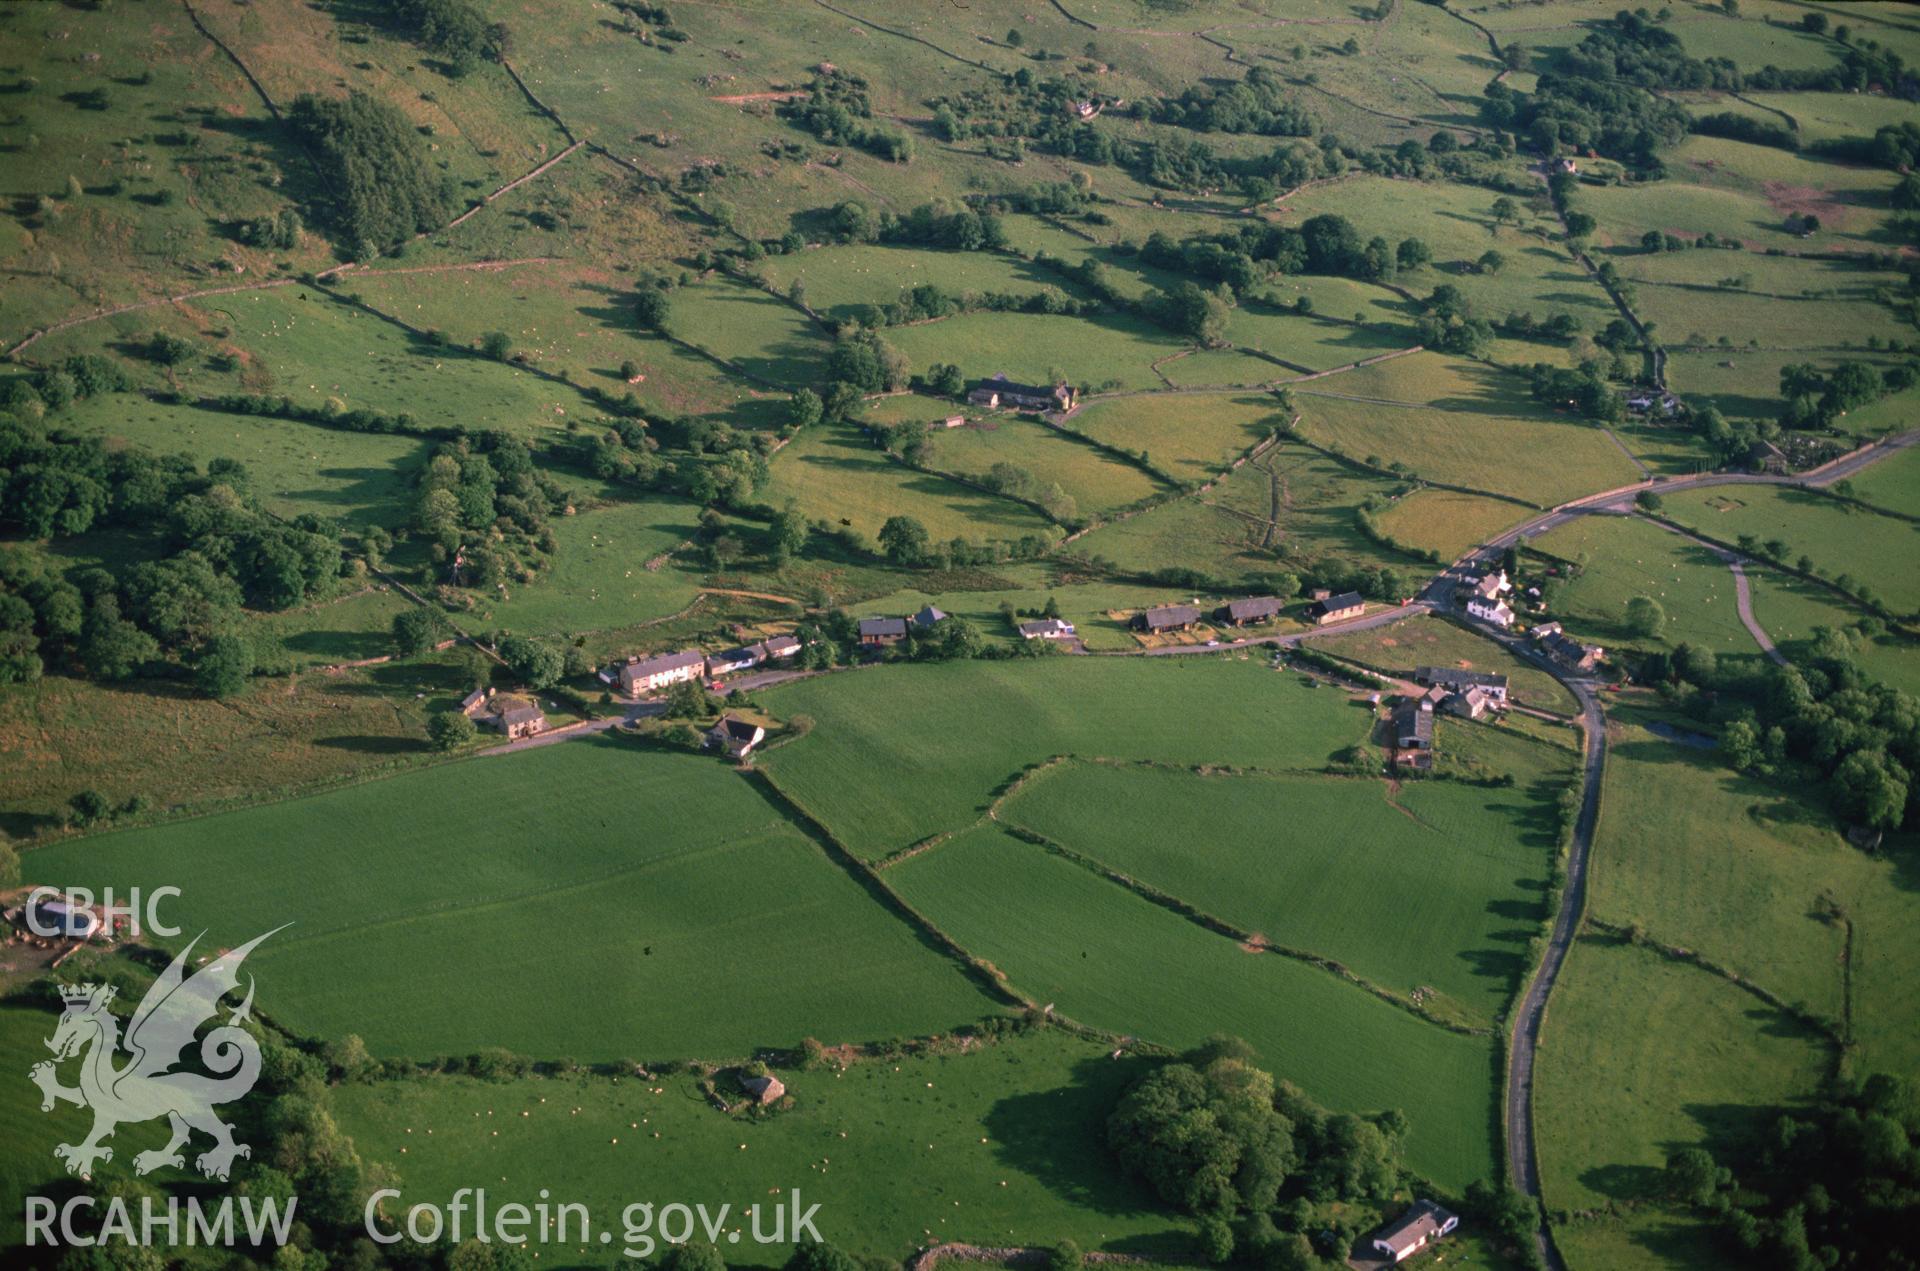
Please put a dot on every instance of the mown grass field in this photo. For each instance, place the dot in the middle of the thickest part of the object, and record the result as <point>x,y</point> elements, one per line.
<point>1005,1143</point>
<point>1626,557</point>
<point>1252,850</point>
<point>1193,436</point>
<point>838,280</point>
<point>654,876</point>
<point>1892,483</point>
<point>1792,610</point>
<point>294,467</point>
<point>1784,302</point>
<point>768,338</point>
<point>1744,872</point>
<point>1429,641</point>
<point>835,474</point>
<point>1305,342</point>
<point>1704,1065</point>
<point>1841,538</point>
<point>1447,521</point>
<point>1093,479</point>
<point>1106,957</point>
<point>898,754</point>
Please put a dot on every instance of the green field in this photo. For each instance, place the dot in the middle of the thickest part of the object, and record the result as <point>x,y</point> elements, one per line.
<point>1447,521</point>
<point>1252,850</point>
<point>1892,483</point>
<point>1106,351</point>
<point>599,576</point>
<point>1704,1065</point>
<point>940,738</point>
<point>1192,436</point>
<point>1742,873</point>
<point>1840,537</point>
<point>835,474</point>
<point>1791,610</point>
<point>1624,557</point>
<point>1093,479</point>
<point>1105,957</point>
<point>660,878</point>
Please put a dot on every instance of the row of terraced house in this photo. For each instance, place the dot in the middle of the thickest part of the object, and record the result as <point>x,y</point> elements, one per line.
<point>637,676</point>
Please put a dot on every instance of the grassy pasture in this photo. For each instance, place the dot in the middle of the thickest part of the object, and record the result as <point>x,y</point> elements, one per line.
<point>1108,958</point>
<point>1222,368</point>
<point>835,473</point>
<point>177,149</point>
<point>1742,871</point>
<point>1109,349</point>
<point>1429,641</point>
<point>1746,192</point>
<point>1541,458</point>
<point>1790,610</point>
<point>573,319</point>
<point>180,749</point>
<point>356,625</point>
<point>898,754</point>
<point>598,576</point>
<point>357,478</point>
<point>1007,1143</point>
<point>1447,521</point>
<point>1095,480</point>
<point>1230,532</point>
<point>1824,116</point>
<point>1251,850</point>
<point>1347,298</point>
<point>840,279</point>
<point>1456,222</point>
<point>1793,303</point>
<point>1627,557</point>
<point>1193,436</point>
<point>768,338</point>
<point>1702,1066</point>
<point>1745,383</point>
<point>1304,341</point>
<point>1840,537</point>
<point>1892,483</point>
<point>461,869</point>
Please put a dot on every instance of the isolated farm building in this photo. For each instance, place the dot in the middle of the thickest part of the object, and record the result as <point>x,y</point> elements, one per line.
<point>765,1090</point>
<point>1414,1230</point>
<point>48,914</point>
<point>1348,604</point>
<point>928,615</point>
<point>520,720</point>
<point>736,736</point>
<point>1457,681</point>
<point>1166,618</point>
<point>1046,629</point>
<point>644,675</point>
<point>475,702</point>
<point>743,658</point>
<point>1239,613</point>
<point>1001,391</point>
<point>1413,724</point>
<point>953,421</point>
<point>878,632</point>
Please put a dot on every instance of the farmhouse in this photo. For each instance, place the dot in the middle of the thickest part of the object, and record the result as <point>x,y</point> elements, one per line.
<point>1000,391</point>
<point>1166,618</point>
<point>765,1090</point>
<point>1492,586</point>
<point>1239,613</point>
<point>1566,650</point>
<point>644,675</point>
<point>1456,681</point>
<point>1347,604</point>
<point>1473,703</point>
<point>1046,629</point>
<point>1414,1230</point>
<point>521,719</point>
<point>878,632</point>
<point>1498,612</point>
<point>735,736</point>
<point>928,615</point>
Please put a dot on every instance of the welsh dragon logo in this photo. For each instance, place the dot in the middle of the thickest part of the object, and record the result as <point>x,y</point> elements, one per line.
<point>147,1086</point>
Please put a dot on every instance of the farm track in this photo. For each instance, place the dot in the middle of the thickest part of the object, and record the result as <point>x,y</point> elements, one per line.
<point>1742,591</point>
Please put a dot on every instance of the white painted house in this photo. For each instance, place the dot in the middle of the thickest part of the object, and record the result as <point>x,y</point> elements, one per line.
<point>1414,1230</point>
<point>645,675</point>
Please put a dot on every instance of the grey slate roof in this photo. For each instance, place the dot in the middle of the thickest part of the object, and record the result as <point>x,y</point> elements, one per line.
<point>1458,681</point>
<point>1169,616</point>
<point>1334,604</point>
<point>882,627</point>
<point>1252,608</point>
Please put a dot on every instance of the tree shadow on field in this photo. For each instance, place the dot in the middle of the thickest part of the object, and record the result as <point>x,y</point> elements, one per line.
<point>1059,1138</point>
